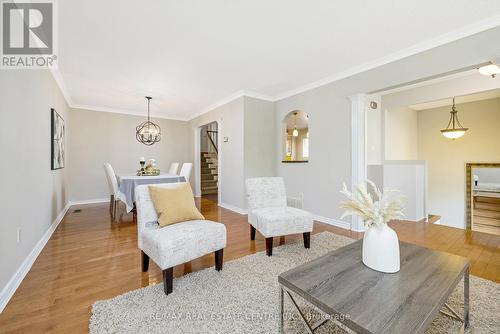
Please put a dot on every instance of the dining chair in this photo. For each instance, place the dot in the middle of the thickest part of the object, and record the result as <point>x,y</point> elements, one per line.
<point>113,189</point>
<point>186,170</point>
<point>174,168</point>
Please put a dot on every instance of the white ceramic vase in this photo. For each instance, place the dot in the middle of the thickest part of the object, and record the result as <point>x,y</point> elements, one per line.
<point>381,249</point>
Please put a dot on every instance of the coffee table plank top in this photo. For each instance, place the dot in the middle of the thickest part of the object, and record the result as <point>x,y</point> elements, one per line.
<point>339,283</point>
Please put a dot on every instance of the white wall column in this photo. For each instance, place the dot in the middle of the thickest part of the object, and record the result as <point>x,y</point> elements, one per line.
<point>358,148</point>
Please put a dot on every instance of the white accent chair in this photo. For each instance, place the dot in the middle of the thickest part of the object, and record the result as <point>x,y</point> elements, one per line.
<point>269,214</point>
<point>177,243</point>
<point>113,189</point>
<point>186,170</point>
<point>174,168</point>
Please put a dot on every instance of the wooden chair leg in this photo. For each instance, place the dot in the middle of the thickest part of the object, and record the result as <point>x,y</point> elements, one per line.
<point>269,246</point>
<point>114,210</point>
<point>111,201</point>
<point>252,232</point>
<point>168,280</point>
<point>219,259</point>
<point>307,239</point>
<point>144,261</point>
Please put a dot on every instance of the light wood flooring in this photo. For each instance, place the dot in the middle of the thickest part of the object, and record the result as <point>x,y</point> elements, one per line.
<point>89,258</point>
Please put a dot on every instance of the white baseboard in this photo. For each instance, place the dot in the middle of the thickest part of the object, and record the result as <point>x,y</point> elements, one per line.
<point>333,222</point>
<point>14,282</point>
<point>233,208</point>
<point>89,201</point>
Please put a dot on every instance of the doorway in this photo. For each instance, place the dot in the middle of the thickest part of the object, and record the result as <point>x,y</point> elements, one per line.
<point>209,161</point>
<point>483,197</point>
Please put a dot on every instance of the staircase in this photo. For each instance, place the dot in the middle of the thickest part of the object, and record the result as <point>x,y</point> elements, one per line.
<point>208,173</point>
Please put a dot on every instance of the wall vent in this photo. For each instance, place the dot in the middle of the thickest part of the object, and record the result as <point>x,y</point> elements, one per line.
<point>295,202</point>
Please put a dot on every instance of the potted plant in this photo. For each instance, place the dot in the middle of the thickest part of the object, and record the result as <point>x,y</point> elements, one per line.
<point>376,209</point>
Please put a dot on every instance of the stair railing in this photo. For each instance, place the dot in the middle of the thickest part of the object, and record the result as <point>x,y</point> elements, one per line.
<point>213,137</point>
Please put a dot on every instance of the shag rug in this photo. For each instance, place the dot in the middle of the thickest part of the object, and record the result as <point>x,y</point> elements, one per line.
<point>243,298</point>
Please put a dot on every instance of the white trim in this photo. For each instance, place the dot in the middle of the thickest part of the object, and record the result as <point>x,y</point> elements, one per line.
<point>437,41</point>
<point>126,112</point>
<point>89,201</point>
<point>230,98</point>
<point>16,279</point>
<point>333,222</point>
<point>233,208</point>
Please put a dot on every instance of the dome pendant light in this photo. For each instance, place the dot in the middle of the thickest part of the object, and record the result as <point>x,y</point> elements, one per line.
<point>454,129</point>
<point>295,132</point>
<point>148,132</point>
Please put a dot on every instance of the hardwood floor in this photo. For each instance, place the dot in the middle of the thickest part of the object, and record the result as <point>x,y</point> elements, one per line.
<point>89,258</point>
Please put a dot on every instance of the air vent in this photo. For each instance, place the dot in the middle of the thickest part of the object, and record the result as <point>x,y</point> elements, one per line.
<point>77,210</point>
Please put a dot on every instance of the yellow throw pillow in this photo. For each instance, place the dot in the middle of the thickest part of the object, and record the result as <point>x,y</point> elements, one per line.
<point>174,204</point>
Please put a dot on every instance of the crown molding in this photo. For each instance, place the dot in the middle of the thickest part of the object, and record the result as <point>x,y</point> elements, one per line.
<point>437,41</point>
<point>126,112</point>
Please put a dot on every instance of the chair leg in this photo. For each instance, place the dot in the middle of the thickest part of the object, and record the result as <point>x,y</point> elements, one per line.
<point>114,210</point>
<point>219,259</point>
<point>111,201</point>
<point>269,246</point>
<point>144,261</point>
<point>252,232</point>
<point>168,280</point>
<point>307,239</point>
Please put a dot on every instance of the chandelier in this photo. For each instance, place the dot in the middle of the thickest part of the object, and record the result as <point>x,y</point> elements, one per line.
<point>148,132</point>
<point>454,129</point>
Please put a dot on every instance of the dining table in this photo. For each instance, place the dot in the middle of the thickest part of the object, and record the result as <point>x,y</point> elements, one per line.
<point>128,182</point>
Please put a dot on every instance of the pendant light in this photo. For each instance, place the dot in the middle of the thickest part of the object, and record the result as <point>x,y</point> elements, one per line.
<point>454,129</point>
<point>148,132</point>
<point>295,132</point>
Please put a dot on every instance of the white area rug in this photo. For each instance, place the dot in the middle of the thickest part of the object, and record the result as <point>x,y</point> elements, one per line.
<point>243,298</point>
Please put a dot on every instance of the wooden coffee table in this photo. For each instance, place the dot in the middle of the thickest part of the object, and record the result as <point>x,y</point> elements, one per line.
<point>363,300</point>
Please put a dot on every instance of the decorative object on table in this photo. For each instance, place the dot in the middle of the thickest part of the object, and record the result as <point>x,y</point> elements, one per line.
<point>148,170</point>
<point>142,162</point>
<point>454,129</point>
<point>376,209</point>
<point>148,132</point>
<point>57,151</point>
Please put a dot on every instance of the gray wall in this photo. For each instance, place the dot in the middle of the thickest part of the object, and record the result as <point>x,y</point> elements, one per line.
<point>329,108</point>
<point>99,137</point>
<point>31,194</point>
<point>259,138</point>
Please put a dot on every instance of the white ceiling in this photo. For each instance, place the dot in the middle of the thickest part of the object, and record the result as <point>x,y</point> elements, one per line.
<point>190,55</point>
<point>490,94</point>
<point>299,120</point>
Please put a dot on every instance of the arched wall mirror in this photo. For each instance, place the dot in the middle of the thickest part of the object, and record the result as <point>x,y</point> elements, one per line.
<point>296,137</point>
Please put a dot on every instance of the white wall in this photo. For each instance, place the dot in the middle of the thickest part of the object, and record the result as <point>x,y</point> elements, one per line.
<point>374,136</point>
<point>31,194</point>
<point>100,137</point>
<point>447,158</point>
<point>230,118</point>
<point>401,142</point>
<point>491,175</point>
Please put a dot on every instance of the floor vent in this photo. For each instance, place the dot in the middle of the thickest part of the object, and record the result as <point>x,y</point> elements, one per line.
<point>77,210</point>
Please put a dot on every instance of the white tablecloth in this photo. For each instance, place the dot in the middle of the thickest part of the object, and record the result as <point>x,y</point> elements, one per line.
<point>128,182</point>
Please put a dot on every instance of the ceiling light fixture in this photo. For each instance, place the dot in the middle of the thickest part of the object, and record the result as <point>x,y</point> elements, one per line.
<point>454,129</point>
<point>148,132</point>
<point>295,132</point>
<point>490,70</point>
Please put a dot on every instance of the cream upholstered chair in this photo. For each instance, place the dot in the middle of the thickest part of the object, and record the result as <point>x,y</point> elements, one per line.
<point>177,243</point>
<point>269,214</point>
<point>186,170</point>
<point>113,189</point>
<point>174,168</point>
